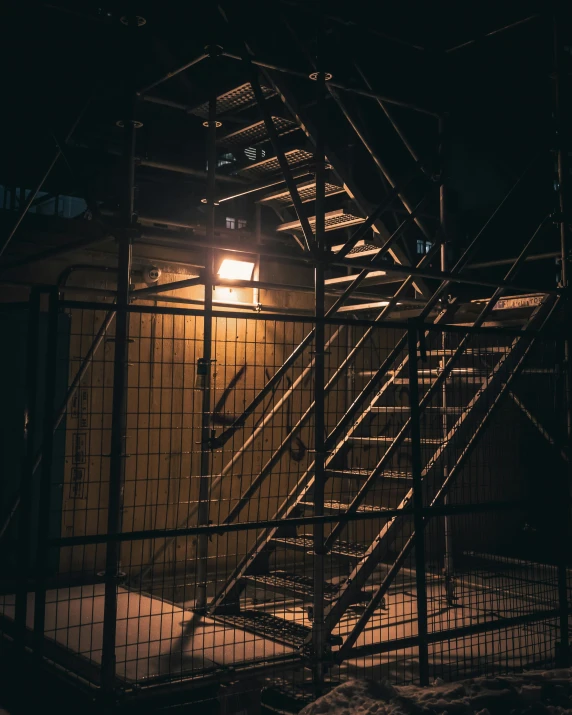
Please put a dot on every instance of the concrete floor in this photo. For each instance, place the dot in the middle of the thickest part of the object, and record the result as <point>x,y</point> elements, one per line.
<point>149,640</point>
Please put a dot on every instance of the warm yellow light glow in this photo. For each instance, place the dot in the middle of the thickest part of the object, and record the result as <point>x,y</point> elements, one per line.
<point>237,270</point>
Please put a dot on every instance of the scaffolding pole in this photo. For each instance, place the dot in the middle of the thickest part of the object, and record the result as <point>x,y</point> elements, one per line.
<point>206,422</point>
<point>562,117</point>
<point>318,641</point>
<point>118,453</point>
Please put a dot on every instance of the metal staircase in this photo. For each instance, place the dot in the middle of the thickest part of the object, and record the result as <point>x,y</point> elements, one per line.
<point>381,488</point>
<point>363,472</point>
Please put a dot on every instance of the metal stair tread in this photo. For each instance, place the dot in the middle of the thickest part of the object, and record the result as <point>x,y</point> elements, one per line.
<point>290,583</point>
<point>305,542</point>
<point>240,97</point>
<point>364,473</point>
<point>306,191</point>
<point>363,306</point>
<point>256,133</point>
<point>266,625</point>
<point>271,165</point>
<point>333,220</point>
<point>372,278</point>
<point>337,506</point>
<point>457,410</point>
<point>515,302</point>
<point>361,249</point>
<point>388,440</point>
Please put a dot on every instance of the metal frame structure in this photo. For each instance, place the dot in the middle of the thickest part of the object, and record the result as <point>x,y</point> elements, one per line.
<point>429,353</point>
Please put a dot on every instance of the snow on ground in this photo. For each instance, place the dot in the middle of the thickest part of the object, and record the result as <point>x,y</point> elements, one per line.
<point>530,693</point>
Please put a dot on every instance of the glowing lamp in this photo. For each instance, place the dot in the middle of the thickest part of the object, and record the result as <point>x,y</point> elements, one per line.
<point>236,270</point>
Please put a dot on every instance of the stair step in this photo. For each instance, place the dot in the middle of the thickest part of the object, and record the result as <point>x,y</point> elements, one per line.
<point>305,542</point>
<point>402,408</point>
<point>363,306</point>
<point>306,190</point>
<point>360,250</point>
<point>491,350</point>
<point>336,506</point>
<point>364,474</point>
<point>272,165</point>
<point>233,100</point>
<point>373,278</point>
<point>389,440</point>
<point>287,583</point>
<point>429,380</point>
<point>334,220</point>
<point>256,133</point>
<point>458,372</point>
<point>515,302</point>
<point>268,626</point>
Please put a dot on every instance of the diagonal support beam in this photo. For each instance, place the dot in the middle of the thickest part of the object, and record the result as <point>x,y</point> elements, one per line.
<point>437,384</point>
<point>339,168</point>
<point>284,166</point>
<point>376,159</point>
<point>375,601</point>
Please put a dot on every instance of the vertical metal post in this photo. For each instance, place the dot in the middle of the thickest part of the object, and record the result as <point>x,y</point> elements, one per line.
<point>118,454</point>
<point>448,568</point>
<point>45,490</point>
<point>258,238</point>
<point>318,633</point>
<point>562,117</point>
<point>26,486</point>
<point>416,468</point>
<point>206,419</point>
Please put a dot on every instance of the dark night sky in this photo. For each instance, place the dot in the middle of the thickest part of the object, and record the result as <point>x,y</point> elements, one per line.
<point>497,90</point>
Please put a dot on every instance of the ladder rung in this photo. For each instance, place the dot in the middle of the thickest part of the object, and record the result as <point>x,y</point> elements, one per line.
<point>333,220</point>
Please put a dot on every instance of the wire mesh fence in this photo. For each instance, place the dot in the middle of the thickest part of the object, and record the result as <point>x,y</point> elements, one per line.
<point>444,508</point>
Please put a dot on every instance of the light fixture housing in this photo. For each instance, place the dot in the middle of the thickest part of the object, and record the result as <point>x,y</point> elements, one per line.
<point>236,270</point>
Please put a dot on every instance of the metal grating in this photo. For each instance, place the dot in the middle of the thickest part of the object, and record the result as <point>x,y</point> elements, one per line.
<point>336,506</point>
<point>256,133</point>
<point>364,473</point>
<point>272,165</point>
<point>372,278</point>
<point>334,220</point>
<point>297,585</point>
<point>306,190</point>
<point>237,98</point>
<point>268,626</point>
<point>359,250</point>
<point>306,543</point>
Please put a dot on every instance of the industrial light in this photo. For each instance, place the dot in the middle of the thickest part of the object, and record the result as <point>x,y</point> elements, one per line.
<point>237,270</point>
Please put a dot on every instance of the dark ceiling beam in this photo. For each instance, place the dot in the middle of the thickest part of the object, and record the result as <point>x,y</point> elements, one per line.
<point>492,33</point>
<point>332,83</point>
<point>304,6</point>
<point>174,73</point>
